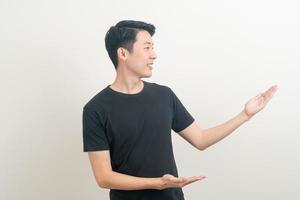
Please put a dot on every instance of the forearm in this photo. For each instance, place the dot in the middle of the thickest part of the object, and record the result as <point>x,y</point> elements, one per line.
<point>115,180</point>
<point>217,133</point>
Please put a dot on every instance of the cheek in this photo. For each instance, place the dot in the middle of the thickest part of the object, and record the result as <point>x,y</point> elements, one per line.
<point>136,64</point>
<point>139,59</point>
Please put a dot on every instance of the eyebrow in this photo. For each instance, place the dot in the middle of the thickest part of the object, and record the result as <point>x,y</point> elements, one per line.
<point>149,43</point>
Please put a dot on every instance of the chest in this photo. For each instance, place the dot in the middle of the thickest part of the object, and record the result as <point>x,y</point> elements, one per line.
<point>148,118</point>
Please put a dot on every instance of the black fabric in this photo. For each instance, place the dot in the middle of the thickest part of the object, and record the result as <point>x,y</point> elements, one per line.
<point>136,129</point>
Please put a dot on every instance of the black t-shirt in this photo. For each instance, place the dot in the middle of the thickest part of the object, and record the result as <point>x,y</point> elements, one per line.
<point>136,129</point>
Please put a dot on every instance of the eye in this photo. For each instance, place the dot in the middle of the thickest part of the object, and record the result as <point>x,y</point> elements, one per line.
<point>148,48</point>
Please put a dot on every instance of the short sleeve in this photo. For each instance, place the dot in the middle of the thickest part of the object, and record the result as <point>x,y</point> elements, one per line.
<point>94,137</point>
<point>181,117</point>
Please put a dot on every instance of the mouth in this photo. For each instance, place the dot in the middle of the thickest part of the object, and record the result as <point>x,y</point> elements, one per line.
<point>150,65</point>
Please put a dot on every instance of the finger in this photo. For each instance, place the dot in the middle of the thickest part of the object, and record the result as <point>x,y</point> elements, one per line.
<point>193,180</point>
<point>258,96</point>
<point>178,180</point>
<point>182,181</point>
<point>269,94</point>
<point>197,177</point>
<point>272,90</point>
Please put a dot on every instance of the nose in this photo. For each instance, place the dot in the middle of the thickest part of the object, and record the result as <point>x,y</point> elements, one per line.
<point>153,55</point>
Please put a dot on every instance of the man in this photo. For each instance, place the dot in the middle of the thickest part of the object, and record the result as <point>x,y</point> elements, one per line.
<point>127,126</point>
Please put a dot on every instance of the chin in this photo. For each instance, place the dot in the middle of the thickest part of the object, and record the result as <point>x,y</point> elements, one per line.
<point>149,74</point>
<point>146,76</point>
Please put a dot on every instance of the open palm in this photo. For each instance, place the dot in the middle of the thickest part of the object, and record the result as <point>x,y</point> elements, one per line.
<point>257,103</point>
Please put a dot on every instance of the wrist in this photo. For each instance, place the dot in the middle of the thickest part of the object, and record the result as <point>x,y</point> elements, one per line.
<point>156,183</point>
<point>245,116</point>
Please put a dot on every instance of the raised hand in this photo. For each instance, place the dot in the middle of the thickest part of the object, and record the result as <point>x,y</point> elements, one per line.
<point>258,102</point>
<point>170,181</point>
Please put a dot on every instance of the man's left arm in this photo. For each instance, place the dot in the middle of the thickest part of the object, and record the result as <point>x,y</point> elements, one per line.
<point>203,138</point>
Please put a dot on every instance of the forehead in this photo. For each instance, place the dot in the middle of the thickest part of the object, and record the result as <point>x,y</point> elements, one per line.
<point>143,37</point>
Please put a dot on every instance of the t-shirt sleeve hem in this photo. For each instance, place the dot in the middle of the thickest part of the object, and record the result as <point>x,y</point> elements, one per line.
<point>87,149</point>
<point>189,122</point>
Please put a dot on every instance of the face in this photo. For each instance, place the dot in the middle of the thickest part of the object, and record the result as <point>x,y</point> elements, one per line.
<point>142,56</point>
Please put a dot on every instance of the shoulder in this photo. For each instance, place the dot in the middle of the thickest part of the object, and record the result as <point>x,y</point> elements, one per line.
<point>96,102</point>
<point>158,87</point>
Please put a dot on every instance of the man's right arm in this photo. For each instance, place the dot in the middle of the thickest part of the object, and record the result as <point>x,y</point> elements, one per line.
<point>106,178</point>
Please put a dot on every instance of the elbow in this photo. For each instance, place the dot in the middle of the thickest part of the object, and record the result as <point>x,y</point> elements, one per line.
<point>201,148</point>
<point>103,180</point>
<point>202,144</point>
<point>101,183</point>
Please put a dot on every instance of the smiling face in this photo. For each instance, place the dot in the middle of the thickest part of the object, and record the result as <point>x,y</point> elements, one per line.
<point>140,60</point>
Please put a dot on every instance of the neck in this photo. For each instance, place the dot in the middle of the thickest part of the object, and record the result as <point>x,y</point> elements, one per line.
<point>127,84</point>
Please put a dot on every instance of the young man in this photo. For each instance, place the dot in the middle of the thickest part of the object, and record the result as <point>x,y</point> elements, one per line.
<point>127,126</point>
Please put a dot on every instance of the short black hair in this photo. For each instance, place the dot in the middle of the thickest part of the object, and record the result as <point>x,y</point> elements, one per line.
<point>123,34</point>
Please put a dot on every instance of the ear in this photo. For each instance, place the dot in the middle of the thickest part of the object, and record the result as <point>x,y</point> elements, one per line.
<point>122,53</point>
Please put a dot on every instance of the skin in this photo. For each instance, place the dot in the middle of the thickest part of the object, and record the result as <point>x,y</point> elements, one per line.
<point>132,67</point>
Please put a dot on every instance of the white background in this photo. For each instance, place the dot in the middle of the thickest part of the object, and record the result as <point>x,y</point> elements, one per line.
<point>215,55</point>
